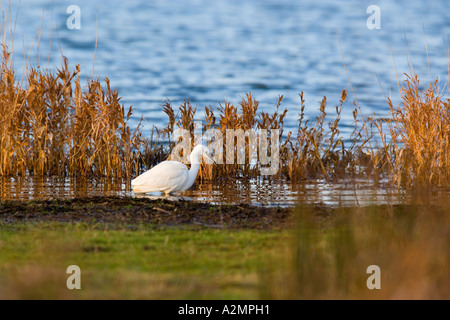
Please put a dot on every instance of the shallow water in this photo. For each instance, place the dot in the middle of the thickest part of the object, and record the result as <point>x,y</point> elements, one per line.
<point>209,51</point>
<point>261,192</point>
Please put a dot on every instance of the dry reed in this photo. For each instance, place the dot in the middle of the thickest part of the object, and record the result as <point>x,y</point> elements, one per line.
<point>419,151</point>
<point>318,151</point>
<point>415,152</point>
<point>53,126</point>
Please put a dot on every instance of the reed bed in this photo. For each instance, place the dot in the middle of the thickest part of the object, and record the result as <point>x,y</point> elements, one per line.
<point>53,126</point>
<point>409,148</point>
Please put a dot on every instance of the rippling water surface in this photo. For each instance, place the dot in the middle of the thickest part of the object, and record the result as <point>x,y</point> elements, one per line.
<point>210,51</point>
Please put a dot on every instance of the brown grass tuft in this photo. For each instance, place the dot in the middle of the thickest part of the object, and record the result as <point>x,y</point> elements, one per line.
<point>420,127</point>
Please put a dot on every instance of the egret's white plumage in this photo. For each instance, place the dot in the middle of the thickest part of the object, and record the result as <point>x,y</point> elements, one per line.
<point>171,176</point>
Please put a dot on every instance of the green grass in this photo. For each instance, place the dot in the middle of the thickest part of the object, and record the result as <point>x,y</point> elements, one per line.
<point>132,262</point>
<point>325,255</point>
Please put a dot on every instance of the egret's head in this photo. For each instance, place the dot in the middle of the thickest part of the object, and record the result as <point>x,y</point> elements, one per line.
<point>199,151</point>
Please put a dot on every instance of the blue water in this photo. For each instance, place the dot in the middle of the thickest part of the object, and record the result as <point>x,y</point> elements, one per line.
<point>211,51</point>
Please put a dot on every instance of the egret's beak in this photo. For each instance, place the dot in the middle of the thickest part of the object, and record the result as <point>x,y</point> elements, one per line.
<point>209,158</point>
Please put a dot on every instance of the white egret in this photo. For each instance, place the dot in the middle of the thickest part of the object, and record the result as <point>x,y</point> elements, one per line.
<point>171,176</point>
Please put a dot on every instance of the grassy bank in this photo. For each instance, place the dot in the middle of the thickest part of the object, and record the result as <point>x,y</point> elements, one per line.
<point>165,250</point>
<point>131,262</point>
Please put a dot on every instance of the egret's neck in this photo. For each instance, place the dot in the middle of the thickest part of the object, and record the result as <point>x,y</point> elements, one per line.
<point>195,158</point>
<point>192,174</point>
<point>193,171</point>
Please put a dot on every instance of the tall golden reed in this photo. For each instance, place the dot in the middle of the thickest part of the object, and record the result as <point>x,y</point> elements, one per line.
<point>415,139</point>
<point>420,126</point>
<point>53,126</point>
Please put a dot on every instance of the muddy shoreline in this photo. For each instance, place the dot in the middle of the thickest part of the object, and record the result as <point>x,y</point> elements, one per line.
<point>128,210</point>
